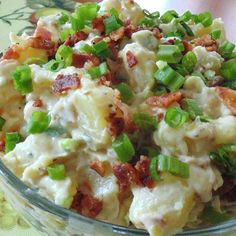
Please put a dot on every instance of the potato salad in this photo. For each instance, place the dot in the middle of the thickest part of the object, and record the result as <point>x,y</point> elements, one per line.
<point>124,115</point>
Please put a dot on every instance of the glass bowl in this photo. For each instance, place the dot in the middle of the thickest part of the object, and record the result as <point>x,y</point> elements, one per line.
<point>53,220</point>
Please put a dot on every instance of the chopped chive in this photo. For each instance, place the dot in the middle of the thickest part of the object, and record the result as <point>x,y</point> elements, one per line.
<point>228,70</point>
<point>226,48</point>
<point>56,172</point>
<point>123,148</point>
<point>63,18</point>
<point>189,61</point>
<point>205,19</point>
<point>39,122</point>
<point>22,79</point>
<point>96,72</point>
<point>191,107</point>
<point>64,54</point>
<point>169,53</point>
<point>168,16</point>
<point>175,117</point>
<point>11,140</point>
<point>159,90</point>
<point>54,65</point>
<point>111,24</point>
<point>145,122</point>
<point>125,91</point>
<point>215,34</point>
<point>187,29</point>
<point>2,122</point>
<point>65,33</point>
<point>153,169</point>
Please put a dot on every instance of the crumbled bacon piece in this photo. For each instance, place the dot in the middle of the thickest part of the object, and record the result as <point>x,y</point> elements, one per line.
<point>87,205</point>
<point>160,117</point>
<point>38,102</point>
<point>115,124</point>
<point>41,32</point>
<point>108,79</point>
<point>118,34</point>
<point>79,60</point>
<point>98,24</point>
<point>98,167</point>
<point>10,54</point>
<point>73,39</point>
<point>207,42</point>
<point>114,49</point>
<point>131,59</point>
<point>187,47</point>
<point>2,146</point>
<point>228,96</point>
<point>126,175</point>
<point>65,82</point>
<point>157,33</point>
<point>170,42</point>
<point>165,100</point>
<point>142,168</point>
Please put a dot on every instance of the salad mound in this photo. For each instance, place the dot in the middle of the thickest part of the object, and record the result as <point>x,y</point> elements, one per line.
<point>124,115</point>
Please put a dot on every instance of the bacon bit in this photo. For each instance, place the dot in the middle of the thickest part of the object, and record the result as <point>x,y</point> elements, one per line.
<point>114,49</point>
<point>160,117</point>
<point>227,186</point>
<point>187,47</point>
<point>98,167</point>
<point>169,42</point>
<point>87,205</point>
<point>65,82</point>
<point>131,59</point>
<point>79,60</point>
<point>165,100</point>
<point>142,168</point>
<point>207,42</point>
<point>98,24</point>
<point>41,32</point>
<point>129,29</point>
<point>73,39</point>
<point>2,146</point>
<point>10,54</point>
<point>157,33</point>
<point>38,102</point>
<point>126,175</point>
<point>108,79</point>
<point>228,96</point>
<point>115,124</point>
<point>118,34</point>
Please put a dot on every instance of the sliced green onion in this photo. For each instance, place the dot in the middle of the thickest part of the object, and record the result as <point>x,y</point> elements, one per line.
<point>154,15</point>
<point>175,117</point>
<point>173,166</point>
<point>111,24</point>
<point>76,24</point>
<point>180,45</point>
<point>230,84</point>
<point>215,34</point>
<point>96,72</point>
<point>191,107</point>
<point>211,216</point>
<point>149,151</point>
<point>224,160</point>
<point>226,48</point>
<point>114,12</point>
<point>22,79</point>
<point>56,172</point>
<point>101,49</point>
<point>35,60</point>
<point>123,148</point>
<point>181,69</point>
<point>63,18</point>
<point>153,169</point>
<point>39,122</point>
<point>228,70</point>
<point>64,54</point>
<point>70,145</point>
<point>176,33</point>
<point>2,122</point>
<point>88,49</point>
<point>159,90</point>
<point>145,121</point>
<point>168,16</point>
<point>126,92</point>
<point>11,140</point>
<point>170,78</point>
<point>186,16</point>
<point>187,29</point>
<point>54,65</point>
<point>65,33</point>
<point>169,53</point>
<point>189,61</point>
<point>205,19</point>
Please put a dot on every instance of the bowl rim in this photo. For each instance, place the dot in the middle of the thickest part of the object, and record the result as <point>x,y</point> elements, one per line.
<point>44,204</point>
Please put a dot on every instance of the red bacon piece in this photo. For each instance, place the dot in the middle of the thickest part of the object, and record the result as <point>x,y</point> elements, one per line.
<point>38,102</point>
<point>41,32</point>
<point>142,169</point>
<point>86,205</point>
<point>65,82</point>
<point>118,34</point>
<point>115,124</point>
<point>2,146</point>
<point>164,101</point>
<point>79,60</point>
<point>73,39</point>
<point>98,24</point>
<point>126,175</point>
<point>157,33</point>
<point>131,59</point>
<point>98,167</point>
<point>187,47</point>
<point>10,54</point>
